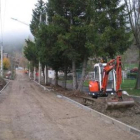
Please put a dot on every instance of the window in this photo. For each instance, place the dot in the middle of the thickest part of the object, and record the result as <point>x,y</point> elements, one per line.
<point>96,70</point>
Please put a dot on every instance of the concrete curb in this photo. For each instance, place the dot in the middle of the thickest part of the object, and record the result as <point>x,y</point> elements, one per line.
<point>42,86</point>
<point>5,86</point>
<point>136,98</point>
<point>108,119</point>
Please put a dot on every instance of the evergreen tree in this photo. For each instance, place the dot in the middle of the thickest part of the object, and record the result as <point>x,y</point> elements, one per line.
<point>30,52</point>
<point>111,23</point>
<point>38,17</point>
<point>72,15</point>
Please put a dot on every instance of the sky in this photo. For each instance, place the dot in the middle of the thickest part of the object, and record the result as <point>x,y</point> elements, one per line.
<point>12,31</point>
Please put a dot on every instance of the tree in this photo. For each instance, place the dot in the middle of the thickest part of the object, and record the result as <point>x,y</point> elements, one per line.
<point>133,10</point>
<point>113,31</point>
<point>38,17</point>
<point>71,15</point>
<point>6,63</point>
<point>31,52</point>
<point>51,53</point>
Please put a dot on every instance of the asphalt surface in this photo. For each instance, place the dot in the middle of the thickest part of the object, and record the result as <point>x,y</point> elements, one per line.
<point>29,113</point>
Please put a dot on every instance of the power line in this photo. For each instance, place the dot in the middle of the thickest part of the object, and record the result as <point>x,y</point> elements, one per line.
<point>1,23</point>
<point>4,14</point>
<point>1,41</point>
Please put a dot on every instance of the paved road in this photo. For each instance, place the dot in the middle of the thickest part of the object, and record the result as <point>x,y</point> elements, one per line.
<point>29,113</point>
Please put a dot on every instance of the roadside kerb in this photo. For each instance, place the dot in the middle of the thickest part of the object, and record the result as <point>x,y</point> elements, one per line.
<point>106,118</point>
<point>136,98</point>
<point>5,86</point>
<point>42,86</point>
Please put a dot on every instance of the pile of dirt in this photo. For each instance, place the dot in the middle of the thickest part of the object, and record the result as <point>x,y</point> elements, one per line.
<point>2,83</point>
<point>129,116</point>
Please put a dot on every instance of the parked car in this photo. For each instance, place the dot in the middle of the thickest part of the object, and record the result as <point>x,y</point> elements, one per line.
<point>134,70</point>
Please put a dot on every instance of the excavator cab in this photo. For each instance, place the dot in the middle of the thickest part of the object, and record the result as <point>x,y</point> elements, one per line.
<point>96,83</point>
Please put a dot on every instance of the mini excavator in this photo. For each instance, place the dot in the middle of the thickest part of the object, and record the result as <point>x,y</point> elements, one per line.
<point>107,81</point>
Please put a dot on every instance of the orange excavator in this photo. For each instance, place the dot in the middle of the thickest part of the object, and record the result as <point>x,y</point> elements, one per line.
<point>107,80</point>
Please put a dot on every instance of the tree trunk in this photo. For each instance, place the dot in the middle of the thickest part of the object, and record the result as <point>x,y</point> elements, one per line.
<point>137,86</point>
<point>65,78</point>
<point>56,78</point>
<point>43,74</point>
<point>46,75</point>
<point>80,86</point>
<point>74,75</point>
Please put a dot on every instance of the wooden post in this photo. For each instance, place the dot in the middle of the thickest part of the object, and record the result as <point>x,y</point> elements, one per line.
<point>45,76</point>
<point>39,72</point>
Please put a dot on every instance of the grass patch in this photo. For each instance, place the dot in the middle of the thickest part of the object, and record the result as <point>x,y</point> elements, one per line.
<point>135,92</point>
<point>86,83</point>
<point>69,81</point>
<point>128,85</point>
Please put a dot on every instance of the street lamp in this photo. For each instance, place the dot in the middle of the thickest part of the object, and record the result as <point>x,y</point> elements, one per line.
<point>20,21</point>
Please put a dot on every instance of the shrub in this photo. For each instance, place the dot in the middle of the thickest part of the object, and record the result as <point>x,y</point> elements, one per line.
<point>132,75</point>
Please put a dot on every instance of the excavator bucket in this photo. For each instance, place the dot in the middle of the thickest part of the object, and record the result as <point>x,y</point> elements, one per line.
<point>116,104</point>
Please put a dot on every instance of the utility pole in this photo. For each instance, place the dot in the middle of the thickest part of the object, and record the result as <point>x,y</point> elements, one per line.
<point>39,72</point>
<point>39,78</point>
<point>45,65</point>
<point>39,75</point>
<point>45,75</point>
<point>1,59</point>
<point>29,70</point>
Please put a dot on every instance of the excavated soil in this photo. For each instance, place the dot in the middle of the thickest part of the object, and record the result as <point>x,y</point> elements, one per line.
<point>130,116</point>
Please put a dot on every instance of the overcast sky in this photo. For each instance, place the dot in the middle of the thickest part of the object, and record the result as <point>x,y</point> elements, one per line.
<point>18,9</point>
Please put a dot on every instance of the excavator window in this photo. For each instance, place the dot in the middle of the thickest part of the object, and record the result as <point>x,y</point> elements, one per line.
<point>96,70</point>
<point>110,76</point>
<point>110,84</point>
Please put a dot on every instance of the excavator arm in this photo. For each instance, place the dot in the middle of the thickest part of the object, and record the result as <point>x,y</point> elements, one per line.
<point>113,64</point>
<point>118,77</point>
